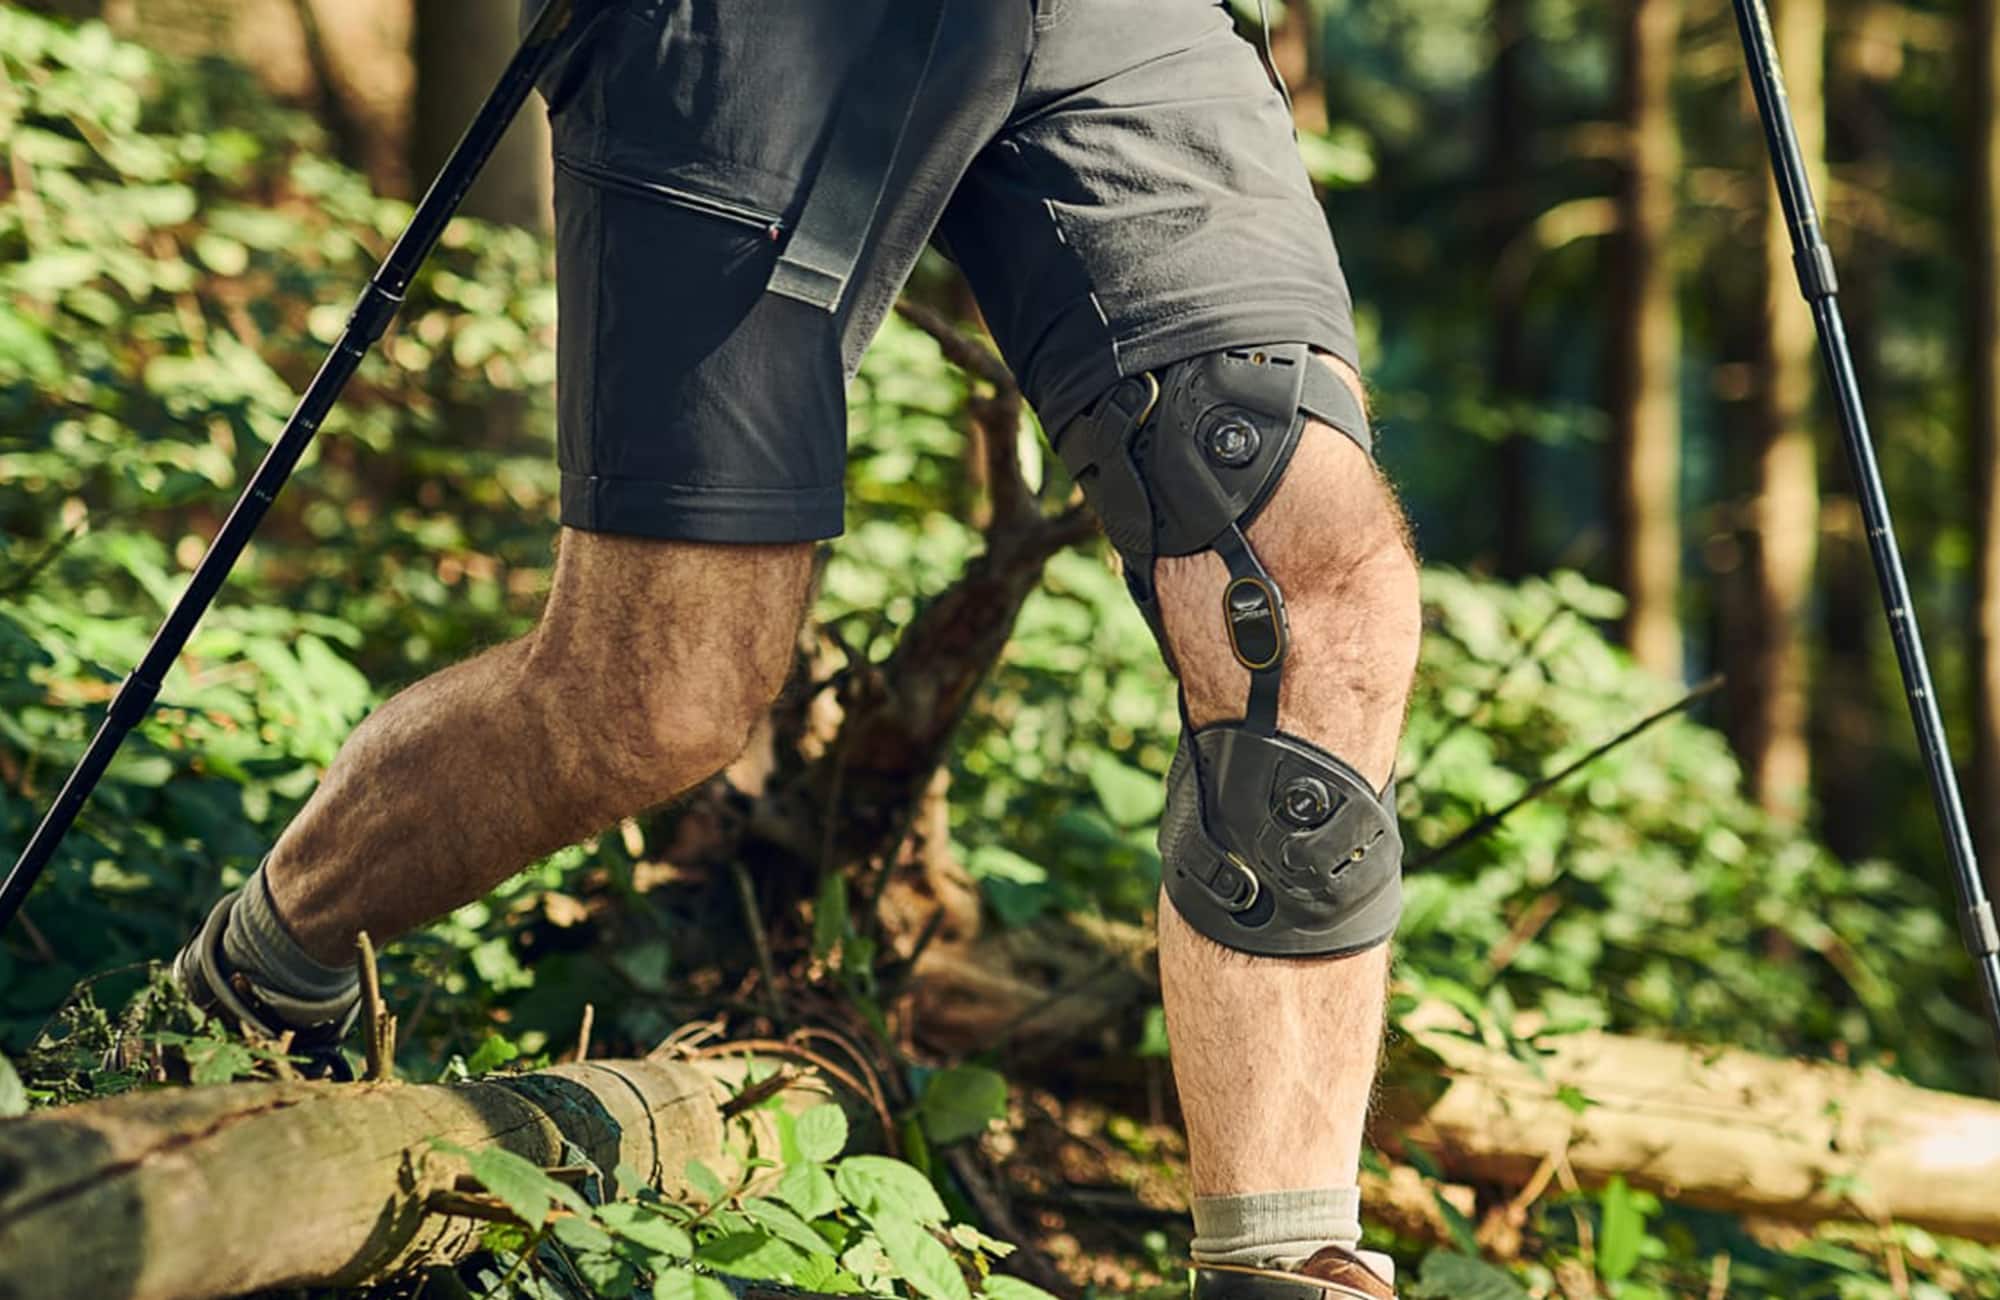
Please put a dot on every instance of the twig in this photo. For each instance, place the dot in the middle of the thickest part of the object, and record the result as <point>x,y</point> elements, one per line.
<point>1491,693</point>
<point>1480,828</point>
<point>963,351</point>
<point>379,1035</point>
<point>759,1092</point>
<point>36,937</point>
<point>1527,927</point>
<point>1026,1261</point>
<point>864,1068</point>
<point>1005,1034</point>
<point>583,1030</point>
<point>748,1046</point>
<point>753,920</point>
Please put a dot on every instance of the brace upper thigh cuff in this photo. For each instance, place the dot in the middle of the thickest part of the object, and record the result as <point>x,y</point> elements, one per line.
<point>1272,846</point>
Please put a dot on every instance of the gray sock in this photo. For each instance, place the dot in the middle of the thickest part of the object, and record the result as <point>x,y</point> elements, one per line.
<point>1275,1229</point>
<point>256,942</point>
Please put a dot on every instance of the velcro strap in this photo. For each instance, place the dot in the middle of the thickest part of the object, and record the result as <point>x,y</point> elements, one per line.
<point>1328,399</point>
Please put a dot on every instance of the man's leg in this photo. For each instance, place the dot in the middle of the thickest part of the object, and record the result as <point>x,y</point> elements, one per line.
<point>1275,1057</point>
<point>650,664</point>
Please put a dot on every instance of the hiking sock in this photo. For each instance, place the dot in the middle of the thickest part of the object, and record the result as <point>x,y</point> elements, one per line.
<point>1275,1229</point>
<point>256,942</point>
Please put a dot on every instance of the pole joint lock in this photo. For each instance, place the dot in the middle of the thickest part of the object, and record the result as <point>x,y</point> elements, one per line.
<point>134,697</point>
<point>1815,267</point>
<point>372,314</point>
<point>1982,935</point>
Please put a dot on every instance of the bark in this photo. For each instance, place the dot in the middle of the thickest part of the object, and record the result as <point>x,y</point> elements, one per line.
<point>1984,798</point>
<point>195,1192</point>
<point>1772,675</point>
<point>1645,404</point>
<point>461,46</point>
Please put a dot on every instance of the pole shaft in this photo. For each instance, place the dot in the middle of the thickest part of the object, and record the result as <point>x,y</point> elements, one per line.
<point>1818,283</point>
<point>378,304</point>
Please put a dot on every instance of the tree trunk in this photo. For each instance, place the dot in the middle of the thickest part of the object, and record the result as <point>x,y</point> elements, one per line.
<point>461,46</point>
<point>1984,798</point>
<point>194,1192</point>
<point>1772,679</point>
<point>1645,402</point>
<point>1509,116</point>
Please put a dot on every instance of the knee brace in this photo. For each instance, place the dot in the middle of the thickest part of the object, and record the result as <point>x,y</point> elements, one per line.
<point>1268,844</point>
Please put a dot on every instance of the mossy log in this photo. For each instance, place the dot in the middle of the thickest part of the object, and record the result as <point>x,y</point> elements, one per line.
<point>195,1192</point>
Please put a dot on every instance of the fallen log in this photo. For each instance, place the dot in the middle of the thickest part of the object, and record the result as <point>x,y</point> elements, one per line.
<point>197,1192</point>
<point>1717,1128</point>
<point>1704,1126</point>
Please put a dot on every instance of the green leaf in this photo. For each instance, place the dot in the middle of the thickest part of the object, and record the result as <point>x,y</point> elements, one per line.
<point>1130,797</point>
<point>1001,1286</point>
<point>920,1259</point>
<point>821,1132</point>
<point>1449,1276</point>
<point>494,1052</point>
<point>961,1101</point>
<point>830,914</point>
<point>752,1255</point>
<point>216,1061</point>
<point>609,1276</point>
<point>580,1233</point>
<point>785,1225</point>
<point>523,1186</point>
<point>1624,1232</point>
<point>13,1093</point>
<point>645,1229</point>
<point>704,1180</point>
<point>686,1284</point>
<point>879,1186</point>
<point>809,1189</point>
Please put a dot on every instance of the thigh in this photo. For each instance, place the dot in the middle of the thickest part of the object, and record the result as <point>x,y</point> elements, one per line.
<point>1146,203</point>
<point>688,136</point>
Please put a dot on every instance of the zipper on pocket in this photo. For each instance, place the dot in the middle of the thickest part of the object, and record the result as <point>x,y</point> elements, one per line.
<point>770,224</point>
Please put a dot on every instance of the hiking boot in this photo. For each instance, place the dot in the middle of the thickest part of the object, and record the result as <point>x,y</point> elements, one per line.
<point>203,974</point>
<point>1330,1272</point>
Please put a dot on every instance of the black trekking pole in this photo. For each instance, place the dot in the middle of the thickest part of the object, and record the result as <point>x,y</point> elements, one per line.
<point>379,303</point>
<point>1814,262</point>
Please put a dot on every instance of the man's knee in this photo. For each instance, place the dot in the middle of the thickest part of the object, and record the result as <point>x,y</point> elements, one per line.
<point>1337,547</point>
<point>1274,563</point>
<point>654,660</point>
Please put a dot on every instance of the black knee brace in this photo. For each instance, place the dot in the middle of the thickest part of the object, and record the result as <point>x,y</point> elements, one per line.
<point>1269,844</point>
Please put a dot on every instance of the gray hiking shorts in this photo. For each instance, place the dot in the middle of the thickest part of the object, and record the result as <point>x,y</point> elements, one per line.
<point>1117,178</point>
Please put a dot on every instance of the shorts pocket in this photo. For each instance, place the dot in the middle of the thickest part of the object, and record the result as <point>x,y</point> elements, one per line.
<point>770,224</point>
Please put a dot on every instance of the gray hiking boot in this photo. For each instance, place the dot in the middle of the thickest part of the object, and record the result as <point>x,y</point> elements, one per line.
<point>317,1027</point>
<point>1330,1274</point>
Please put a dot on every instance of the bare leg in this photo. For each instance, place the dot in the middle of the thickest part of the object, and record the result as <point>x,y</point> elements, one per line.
<point>645,674</point>
<point>1275,1058</point>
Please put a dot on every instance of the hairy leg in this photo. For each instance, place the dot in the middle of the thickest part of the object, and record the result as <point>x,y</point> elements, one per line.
<point>644,675</point>
<point>1275,1057</point>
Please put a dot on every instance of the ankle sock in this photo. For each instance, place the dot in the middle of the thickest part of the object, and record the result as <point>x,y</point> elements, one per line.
<point>256,942</point>
<point>1275,1229</point>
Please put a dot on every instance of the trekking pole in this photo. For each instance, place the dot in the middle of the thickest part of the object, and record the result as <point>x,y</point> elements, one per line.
<point>378,304</point>
<point>1814,262</point>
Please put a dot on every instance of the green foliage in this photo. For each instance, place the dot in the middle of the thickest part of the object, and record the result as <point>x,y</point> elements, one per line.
<point>175,255</point>
<point>860,1224</point>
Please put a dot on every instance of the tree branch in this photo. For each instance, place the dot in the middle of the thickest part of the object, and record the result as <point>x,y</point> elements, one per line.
<point>1480,828</point>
